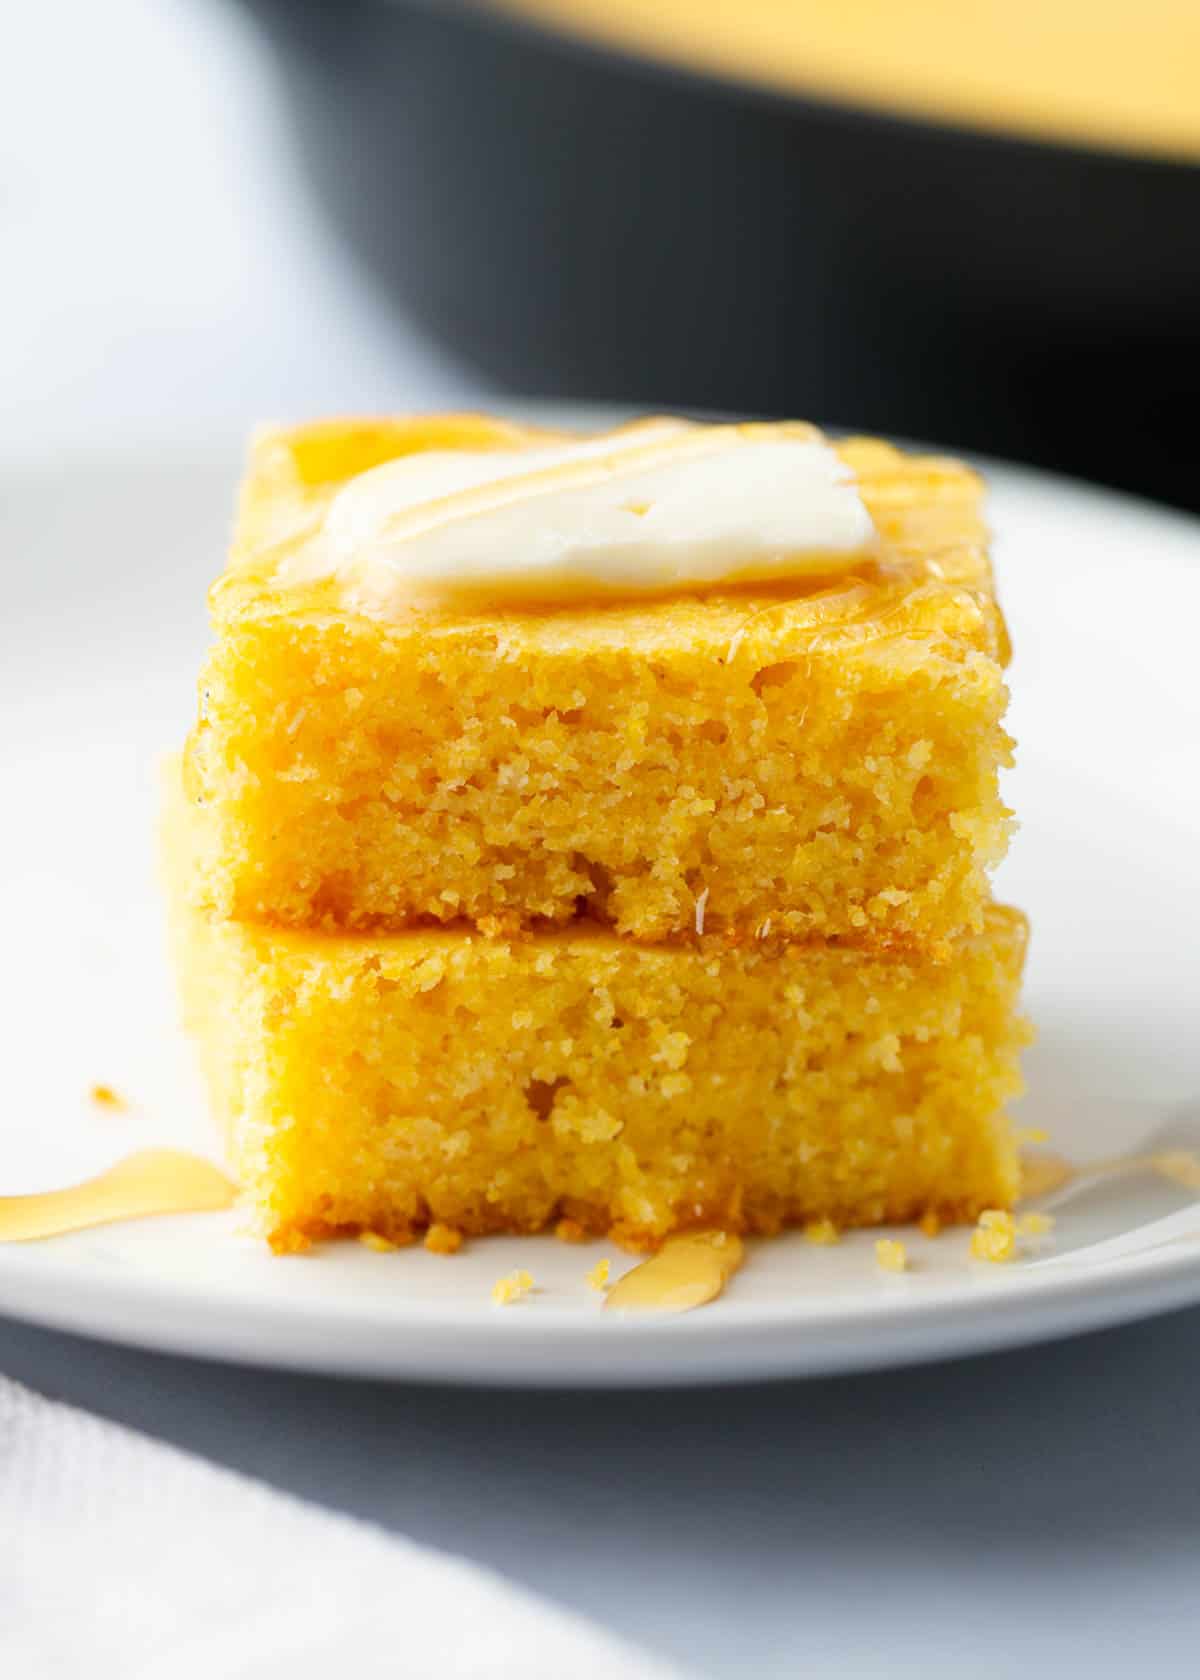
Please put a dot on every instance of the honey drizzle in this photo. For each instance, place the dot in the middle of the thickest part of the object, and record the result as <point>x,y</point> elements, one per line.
<point>1041,1175</point>
<point>687,1272</point>
<point>152,1181</point>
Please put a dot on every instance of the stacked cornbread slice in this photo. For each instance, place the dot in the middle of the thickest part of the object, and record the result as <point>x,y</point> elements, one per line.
<point>600,830</point>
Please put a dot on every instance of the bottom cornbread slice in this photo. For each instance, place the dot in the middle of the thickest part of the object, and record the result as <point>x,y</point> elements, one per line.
<point>381,1083</point>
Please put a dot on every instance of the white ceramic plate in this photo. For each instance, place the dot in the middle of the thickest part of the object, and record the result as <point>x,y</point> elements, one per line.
<point>105,565</point>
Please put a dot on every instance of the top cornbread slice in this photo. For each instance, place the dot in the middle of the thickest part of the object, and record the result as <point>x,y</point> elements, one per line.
<point>813,762</point>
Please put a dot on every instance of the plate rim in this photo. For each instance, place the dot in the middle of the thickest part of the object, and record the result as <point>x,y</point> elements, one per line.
<point>525,1347</point>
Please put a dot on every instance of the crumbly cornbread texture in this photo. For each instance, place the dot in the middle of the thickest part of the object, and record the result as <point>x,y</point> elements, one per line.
<point>753,763</point>
<point>385,1082</point>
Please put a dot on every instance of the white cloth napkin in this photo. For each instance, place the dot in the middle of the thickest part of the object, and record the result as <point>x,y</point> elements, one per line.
<point>122,1557</point>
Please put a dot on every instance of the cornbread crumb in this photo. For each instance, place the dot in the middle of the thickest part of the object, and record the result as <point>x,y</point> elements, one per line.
<point>104,1096</point>
<point>598,1276</point>
<point>443,1239</point>
<point>289,1239</point>
<point>891,1255</point>
<point>569,1231</point>
<point>930,1224</point>
<point>377,1242</point>
<point>1035,1225</point>
<point>1030,1134</point>
<point>512,1288</point>
<point>823,1232</point>
<point>995,1237</point>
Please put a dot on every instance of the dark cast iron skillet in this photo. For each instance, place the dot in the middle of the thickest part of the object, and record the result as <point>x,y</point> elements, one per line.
<point>581,223</point>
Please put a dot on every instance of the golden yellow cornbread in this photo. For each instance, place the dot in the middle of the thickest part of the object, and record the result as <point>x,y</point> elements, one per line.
<point>382,1083</point>
<point>819,763</point>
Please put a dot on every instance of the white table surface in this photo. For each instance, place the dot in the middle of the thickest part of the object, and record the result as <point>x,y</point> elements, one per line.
<point>162,279</point>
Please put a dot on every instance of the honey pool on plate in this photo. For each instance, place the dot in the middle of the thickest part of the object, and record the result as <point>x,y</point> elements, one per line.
<point>150,1182</point>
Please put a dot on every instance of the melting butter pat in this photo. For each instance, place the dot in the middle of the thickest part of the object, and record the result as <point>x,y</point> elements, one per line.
<point>657,507</point>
